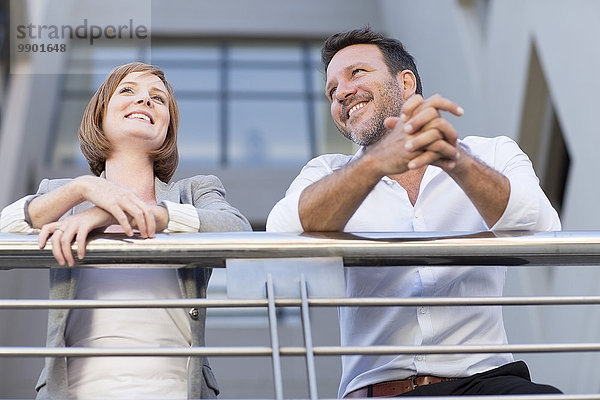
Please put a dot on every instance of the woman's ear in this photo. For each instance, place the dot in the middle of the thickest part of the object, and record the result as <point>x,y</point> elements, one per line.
<point>408,83</point>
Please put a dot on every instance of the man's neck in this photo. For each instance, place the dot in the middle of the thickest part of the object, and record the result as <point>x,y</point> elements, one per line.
<point>411,182</point>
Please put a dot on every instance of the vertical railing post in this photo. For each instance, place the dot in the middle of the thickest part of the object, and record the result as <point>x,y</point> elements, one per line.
<point>276,358</point>
<point>308,343</point>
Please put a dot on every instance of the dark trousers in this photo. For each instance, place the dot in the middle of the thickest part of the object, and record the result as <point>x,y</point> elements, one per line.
<point>511,378</point>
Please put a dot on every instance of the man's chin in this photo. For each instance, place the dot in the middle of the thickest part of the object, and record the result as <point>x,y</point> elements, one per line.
<point>365,139</point>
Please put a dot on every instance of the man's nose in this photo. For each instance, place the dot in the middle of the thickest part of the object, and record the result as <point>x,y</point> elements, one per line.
<point>344,91</point>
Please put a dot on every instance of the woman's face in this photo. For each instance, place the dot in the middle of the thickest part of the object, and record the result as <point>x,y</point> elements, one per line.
<point>137,114</point>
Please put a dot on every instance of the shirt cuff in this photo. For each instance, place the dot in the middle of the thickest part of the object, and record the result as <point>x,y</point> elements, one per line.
<point>15,218</point>
<point>521,212</point>
<point>182,217</point>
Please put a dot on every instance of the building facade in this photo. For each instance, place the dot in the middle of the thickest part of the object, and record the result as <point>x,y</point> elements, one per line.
<point>250,88</point>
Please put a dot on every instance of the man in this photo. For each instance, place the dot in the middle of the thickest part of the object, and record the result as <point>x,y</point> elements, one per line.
<point>413,174</point>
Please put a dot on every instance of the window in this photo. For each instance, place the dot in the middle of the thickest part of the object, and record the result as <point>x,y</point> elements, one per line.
<point>242,103</point>
<point>541,135</point>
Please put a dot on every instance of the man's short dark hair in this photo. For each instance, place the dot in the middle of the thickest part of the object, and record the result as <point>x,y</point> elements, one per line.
<point>395,56</point>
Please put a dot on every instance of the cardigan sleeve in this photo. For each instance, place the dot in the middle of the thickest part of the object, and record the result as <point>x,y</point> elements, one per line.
<point>14,218</point>
<point>205,195</point>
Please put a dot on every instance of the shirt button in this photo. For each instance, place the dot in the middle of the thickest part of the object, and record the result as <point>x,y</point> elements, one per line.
<point>420,358</point>
<point>423,310</point>
<point>194,313</point>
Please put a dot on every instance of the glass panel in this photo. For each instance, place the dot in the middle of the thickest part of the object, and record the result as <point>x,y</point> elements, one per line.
<point>115,53</point>
<point>268,132</point>
<point>315,53</point>
<point>265,52</point>
<point>187,79</point>
<point>66,146</point>
<point>199,135</point>
<point>184,53</point>
<point>83,82</point>
<point>266,80</point>
<point>318,82</point>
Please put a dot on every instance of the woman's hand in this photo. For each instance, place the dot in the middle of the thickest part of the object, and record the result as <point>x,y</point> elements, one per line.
<point>75,227</point>
<point>123,204</point>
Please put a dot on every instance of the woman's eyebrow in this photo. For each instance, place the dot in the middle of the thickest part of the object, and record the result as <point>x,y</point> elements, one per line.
<point>131,83</point>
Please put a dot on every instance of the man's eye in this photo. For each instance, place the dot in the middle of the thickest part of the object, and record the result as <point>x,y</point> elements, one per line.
<point>331,92</point>
<point>357,70</point>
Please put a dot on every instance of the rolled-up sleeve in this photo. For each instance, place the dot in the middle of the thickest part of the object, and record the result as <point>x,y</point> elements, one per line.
<point>284,217</point>
<point>182,217</point>
<point>528,206</point>
<point>14,217</point>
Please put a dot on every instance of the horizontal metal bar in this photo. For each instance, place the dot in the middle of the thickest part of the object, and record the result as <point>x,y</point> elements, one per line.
<point>16,304</point>
<point>356,249</point>
<point>440,349</point>
<point>253,351</point>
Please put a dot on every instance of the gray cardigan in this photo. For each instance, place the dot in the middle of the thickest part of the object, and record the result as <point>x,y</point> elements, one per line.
<point>207,194</point>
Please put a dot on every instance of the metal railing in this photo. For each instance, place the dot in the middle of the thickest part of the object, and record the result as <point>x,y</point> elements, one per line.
<point>356,249</point>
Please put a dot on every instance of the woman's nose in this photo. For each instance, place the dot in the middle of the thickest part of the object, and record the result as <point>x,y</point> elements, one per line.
<point>144,100</point>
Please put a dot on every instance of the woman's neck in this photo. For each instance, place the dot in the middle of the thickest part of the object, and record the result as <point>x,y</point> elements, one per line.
<point>133,173</point>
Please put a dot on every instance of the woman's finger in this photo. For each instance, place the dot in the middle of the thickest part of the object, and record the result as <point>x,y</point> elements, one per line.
<point>56,247</point>
<point>81,240</point>
<point>44,234</point>
<point>66,241</point>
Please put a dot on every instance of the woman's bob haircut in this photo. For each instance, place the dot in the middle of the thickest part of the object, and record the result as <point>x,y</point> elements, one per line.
<point>93,142</point>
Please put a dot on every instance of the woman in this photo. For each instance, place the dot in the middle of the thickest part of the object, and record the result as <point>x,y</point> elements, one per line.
<point>128,134</point>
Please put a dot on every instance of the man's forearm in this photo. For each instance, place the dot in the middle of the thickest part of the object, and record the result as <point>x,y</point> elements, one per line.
<point>328,204</point>
<point>487,188</point>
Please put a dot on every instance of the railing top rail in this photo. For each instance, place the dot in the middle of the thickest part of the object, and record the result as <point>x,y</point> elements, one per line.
<point>356,249</point>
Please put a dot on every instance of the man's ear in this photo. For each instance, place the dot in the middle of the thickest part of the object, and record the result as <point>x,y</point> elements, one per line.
<point>408,83</point>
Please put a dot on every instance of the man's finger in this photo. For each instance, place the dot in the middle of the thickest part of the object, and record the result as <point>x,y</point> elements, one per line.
<point>426,158</point>
<point>420,119</point>
<point>422,139</point>
<point>391,122</point>
<point>409,106</point>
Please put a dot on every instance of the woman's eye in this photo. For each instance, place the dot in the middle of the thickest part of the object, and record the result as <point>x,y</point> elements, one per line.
<point>160,99</point>
<point>126,90</point>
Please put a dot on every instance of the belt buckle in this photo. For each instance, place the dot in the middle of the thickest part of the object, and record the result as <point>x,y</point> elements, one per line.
<point>413,382</point>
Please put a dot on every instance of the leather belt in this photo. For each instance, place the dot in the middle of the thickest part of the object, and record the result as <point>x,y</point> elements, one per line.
<point>395,388</point>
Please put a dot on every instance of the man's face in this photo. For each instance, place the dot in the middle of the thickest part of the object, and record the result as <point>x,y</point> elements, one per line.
<point>362,93</point>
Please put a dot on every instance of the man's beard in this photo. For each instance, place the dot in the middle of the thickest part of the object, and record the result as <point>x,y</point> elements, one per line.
<point>389,105</point>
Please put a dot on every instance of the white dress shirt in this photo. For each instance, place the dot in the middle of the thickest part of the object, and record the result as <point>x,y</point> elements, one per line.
<point>441,206</point>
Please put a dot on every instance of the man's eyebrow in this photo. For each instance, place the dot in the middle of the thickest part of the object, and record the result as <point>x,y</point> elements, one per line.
<point>346,69</point>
